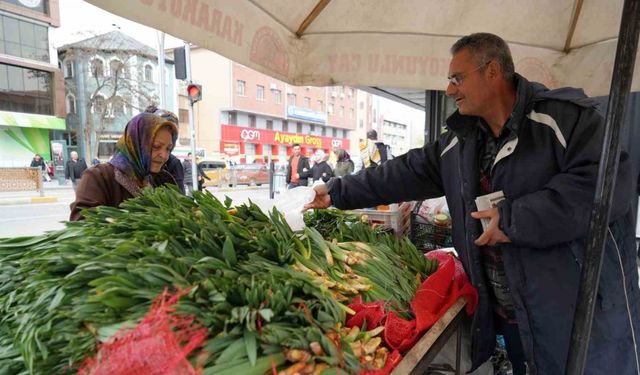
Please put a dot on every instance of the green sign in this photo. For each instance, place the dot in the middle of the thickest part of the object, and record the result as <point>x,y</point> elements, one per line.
<point>28,120</point>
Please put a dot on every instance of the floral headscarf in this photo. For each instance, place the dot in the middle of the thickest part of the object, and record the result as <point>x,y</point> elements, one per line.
<point>133,150</point>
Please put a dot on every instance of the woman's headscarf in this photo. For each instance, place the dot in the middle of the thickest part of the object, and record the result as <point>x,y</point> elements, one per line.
<point>133,150</point>
<point>343,155</point>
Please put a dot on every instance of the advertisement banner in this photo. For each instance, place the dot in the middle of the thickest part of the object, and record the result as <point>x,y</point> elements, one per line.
<point>237,134</point>
<point>58,157</point>
<point>19,145</point>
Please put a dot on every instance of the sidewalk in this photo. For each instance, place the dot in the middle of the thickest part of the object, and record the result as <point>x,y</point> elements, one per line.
<point>52,192</point>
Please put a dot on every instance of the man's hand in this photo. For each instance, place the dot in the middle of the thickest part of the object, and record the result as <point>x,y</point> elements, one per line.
<point>492,235</point>
<point>322,199</point>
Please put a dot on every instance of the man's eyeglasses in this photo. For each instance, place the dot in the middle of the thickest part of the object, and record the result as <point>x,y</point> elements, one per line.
<point>456,79</point>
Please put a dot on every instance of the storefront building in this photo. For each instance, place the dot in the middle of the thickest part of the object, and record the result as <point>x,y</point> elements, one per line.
<point>31,88</point>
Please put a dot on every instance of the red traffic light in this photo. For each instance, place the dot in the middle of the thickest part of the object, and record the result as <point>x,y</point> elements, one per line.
<point>194,91</point>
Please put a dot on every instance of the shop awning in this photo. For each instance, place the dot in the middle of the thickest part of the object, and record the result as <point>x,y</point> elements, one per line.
<point>27,120</point>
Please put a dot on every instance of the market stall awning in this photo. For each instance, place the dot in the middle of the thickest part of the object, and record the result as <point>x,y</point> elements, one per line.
<point>401,43</point>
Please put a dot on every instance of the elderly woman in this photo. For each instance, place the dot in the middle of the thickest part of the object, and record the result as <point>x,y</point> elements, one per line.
<point>140,154</point>
<point>321,169</point>
<point>344,165</point>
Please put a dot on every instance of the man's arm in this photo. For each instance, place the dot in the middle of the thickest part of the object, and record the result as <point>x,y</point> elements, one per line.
<point>412,176</point>
<point>560,211</point>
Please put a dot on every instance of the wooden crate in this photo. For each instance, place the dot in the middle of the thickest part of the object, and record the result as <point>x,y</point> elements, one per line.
<point>398,217</point>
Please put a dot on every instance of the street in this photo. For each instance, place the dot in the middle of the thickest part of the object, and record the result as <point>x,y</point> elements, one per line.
<point>33,219</point>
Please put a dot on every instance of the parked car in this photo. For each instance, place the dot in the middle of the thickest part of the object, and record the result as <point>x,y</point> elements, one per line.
<point>248,174</point>
<point>212,168</point>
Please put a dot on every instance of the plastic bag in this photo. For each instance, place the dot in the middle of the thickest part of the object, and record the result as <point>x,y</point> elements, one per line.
<point>290,203</point>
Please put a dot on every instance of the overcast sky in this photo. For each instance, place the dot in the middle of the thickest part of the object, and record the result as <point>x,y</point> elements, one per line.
<point>80,20</point>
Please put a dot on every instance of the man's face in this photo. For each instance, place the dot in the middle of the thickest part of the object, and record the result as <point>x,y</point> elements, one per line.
<point>296,151</point>
<point>472,93</point>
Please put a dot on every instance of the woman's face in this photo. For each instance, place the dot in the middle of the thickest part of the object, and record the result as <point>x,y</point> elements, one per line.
<point>160,150</point>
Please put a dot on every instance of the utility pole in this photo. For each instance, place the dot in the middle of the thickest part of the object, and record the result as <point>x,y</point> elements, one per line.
<point>192,125</point>
<point>163,98</point>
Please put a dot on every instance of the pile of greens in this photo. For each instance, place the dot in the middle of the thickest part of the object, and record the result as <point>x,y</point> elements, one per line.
<point>257,286</point>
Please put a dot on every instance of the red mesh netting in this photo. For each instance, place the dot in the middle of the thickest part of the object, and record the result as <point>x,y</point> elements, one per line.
<point>371,312</point>
<point>159,345</point>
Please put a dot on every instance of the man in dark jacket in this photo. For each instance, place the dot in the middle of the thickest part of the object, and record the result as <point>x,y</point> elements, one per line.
<point>541,150</point>
<point>321,170</point>
<point>187,167</point>
<point>74,169</point>
<point>298,169</point>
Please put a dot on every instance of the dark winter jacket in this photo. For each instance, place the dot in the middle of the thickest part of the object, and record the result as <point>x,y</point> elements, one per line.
<point>321,170</point>
<point>302,164</point>
<point>174,167</point>
<point>75,169</point>
<point>547,171</point>
<point>187,167</point>
<point>38,164</point>
<point>100,187</point>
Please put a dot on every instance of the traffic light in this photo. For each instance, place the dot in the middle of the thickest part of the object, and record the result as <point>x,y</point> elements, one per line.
<point>194,91</point>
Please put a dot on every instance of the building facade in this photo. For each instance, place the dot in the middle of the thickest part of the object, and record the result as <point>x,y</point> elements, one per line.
<point>31,86</point>
<point>246,116</point>
<point>108,79</point>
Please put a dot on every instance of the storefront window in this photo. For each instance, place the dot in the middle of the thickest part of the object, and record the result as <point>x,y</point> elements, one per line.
<point>24,39</point>
<point>250,152</point>
<point>25,90</point>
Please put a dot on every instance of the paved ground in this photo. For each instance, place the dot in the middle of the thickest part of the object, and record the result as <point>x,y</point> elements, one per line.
<point>20,217</point>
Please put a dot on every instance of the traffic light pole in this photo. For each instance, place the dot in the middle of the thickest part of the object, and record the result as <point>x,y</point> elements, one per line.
<point>192,125</point>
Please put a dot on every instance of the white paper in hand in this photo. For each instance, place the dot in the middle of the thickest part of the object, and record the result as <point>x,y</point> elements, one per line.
<point>486,202</point>
<point>290,203</point>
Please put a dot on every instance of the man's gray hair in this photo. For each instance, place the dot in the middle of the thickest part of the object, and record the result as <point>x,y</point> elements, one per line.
<point>485,47</point>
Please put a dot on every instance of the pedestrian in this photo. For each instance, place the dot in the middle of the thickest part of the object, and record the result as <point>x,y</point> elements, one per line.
<point>321,170</point>
<point>298,169</point>
<point>188,177</point>
<point>74,169</point>
<point>201,175</point>
<point>539,148</point>
<point>374,153</point>
<point>344,164</point>
<point>38,162</point>
<point>173,165</point>
<point>137,164</point>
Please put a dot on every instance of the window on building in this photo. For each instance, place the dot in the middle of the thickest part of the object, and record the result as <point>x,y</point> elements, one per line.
<point>361,105</point>
<point>97,68</point>
<point>98,104</point>
<point>330,108</point>
<point>291,99</point>
<point>183,115</point>
<point>285,126</point>
<point>270,124</point>
<point>71,104</point>
<point>312,128</point>
<point>24,39</point>
<point>277,96</point>
<point>117,106</point>
<point>25,90</point>
<point>116,68</point>
<point>341,114</point>
<point>324,131</point>
<point>233,118</point>
<point>148,73</point>
<point>335,132</point>
<point>252,121</point>
<point>240,85</point>
<point>68,69</point>
<point>33,6</point>
<point>299,127</point>
<point>259,92</point>
<point>351,113</point>
<point>320,106</point>
<point>307,102</point>
<point>361,124</point>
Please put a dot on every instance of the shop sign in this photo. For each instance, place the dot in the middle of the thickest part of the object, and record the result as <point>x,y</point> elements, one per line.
<point>297,138</point>
<point>336,143</point>
<point>231,148</point>
<point>306,114</point>
<point>28,120</point>
<point>250,135</point>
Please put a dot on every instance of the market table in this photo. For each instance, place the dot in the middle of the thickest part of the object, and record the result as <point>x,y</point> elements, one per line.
<point>419,358</point>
